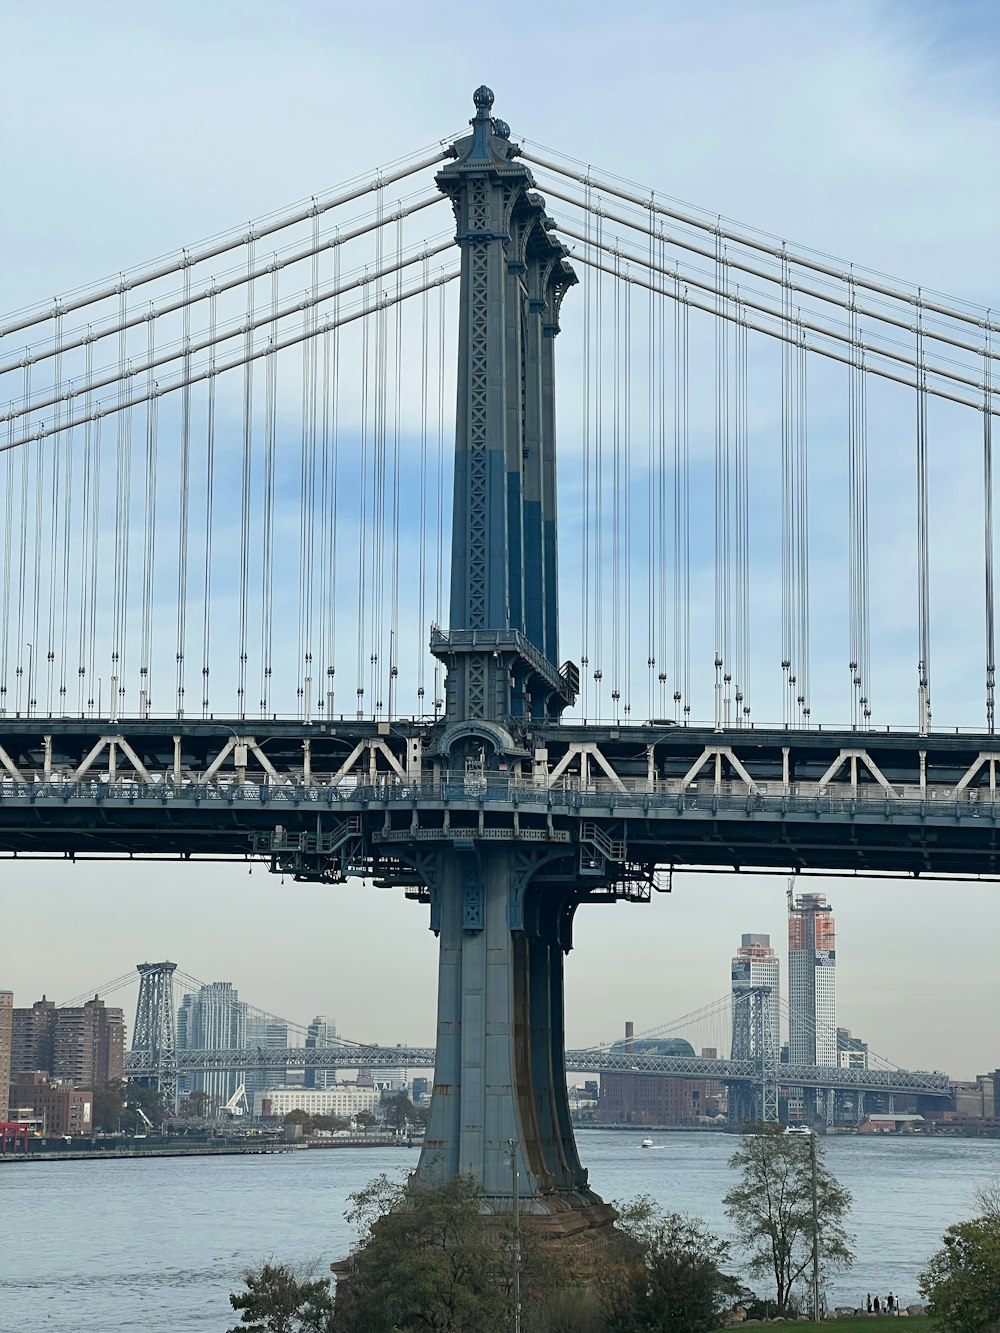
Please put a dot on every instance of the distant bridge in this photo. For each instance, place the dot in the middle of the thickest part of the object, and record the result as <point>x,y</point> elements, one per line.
<point>903,1081</point>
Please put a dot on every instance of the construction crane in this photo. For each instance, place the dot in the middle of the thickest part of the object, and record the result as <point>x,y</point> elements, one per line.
<point>237,1105</point>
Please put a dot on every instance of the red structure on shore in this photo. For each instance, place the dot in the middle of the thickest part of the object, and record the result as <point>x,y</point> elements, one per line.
<point>11,1131</point>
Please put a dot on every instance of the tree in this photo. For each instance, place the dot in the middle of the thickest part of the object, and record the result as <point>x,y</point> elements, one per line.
<point>666,1277</point>
<point>988,1199</point>
<point>962,1281</point>
<point>299,1117</point>
<point>109,1102</point>
<point>429,1260</point>
<point>276,1301</point>
<point>195,1105</point>
<point>328,1122</point>
<point>150,1100</point>
<point>771,1209</point>
<point>365,1119</point>
<point>400,1111</point>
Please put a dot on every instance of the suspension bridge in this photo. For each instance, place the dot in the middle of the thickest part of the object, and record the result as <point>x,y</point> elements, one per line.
<point>228,535</point>
<point>739,1024</point>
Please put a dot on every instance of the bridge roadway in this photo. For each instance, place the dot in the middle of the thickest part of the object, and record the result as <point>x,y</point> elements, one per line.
<point>579,1061</point>
<point>324,800</point>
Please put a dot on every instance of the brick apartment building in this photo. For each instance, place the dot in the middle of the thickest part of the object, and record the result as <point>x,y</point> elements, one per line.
<point>61,1108</point>
<point>83,1046</point>
<point>6,1036</point>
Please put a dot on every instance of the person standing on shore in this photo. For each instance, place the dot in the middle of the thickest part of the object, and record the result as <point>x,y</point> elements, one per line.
<point>876,1306</point>
<point>869,1302</point>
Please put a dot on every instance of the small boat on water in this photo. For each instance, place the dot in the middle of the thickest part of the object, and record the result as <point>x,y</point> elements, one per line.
<point>798,1129</point>
<point>647,1143</point>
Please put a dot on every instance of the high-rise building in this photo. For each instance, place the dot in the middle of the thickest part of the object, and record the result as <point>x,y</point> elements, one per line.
<point>31,1038</point>
<point>265,1032</point>
<point>812,990</point>
<point>88,1045</point>
<point>83,1046</point>
<point>755,964</point>
<point>213,1019</point>
<point>852,1052</point>
<point>6,1036</point>
<point>319,1034</point>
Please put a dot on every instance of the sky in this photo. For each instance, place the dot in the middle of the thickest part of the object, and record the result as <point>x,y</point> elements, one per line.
<point>868,131</point>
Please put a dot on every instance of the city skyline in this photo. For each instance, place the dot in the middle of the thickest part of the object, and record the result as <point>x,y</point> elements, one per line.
<point>378,1018</point>
<point>889,175</point>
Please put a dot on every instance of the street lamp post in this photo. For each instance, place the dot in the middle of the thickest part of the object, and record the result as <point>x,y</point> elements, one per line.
<point>815,1228</point>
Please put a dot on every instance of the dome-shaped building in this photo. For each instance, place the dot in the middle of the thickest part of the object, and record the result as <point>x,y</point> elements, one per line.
<point>634,1097</point>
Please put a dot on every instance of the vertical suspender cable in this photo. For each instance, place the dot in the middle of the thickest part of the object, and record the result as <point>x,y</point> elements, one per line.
<point>22,564</point>
<point>661,491</point>
<point>325,533</point>
<point>241,678</point>
<point>56,517</point>
<point>802,526</point>
<point>653,535</point>
<point>682,507</point>
<point>854,540</point>
<point>422,548</point>
<point>786,498</point>
<point>439,513</point>
<point>864,634</point>
<point>149,528</point>
<point>307,494</point>
<point>923,542</point>
<point>378,532</point>
<point>627,506</point>
<point>331,664</point>
<point>184,499</point>
<point>396,409</point>
<point>858,526</point>
<point>742,497</point>
<point>599,483</point>
<point>719,332</point>
<point>363,501</point>
<point>617,494</point>
<point>585,533</point>
<point>439,593</point>
<point>267,524</point>
<point>67,548</point>
<point>95,565</point>
<point>8,573</point>
<point>206,596</point>
<point>84,546</point>
<point>34,646</point>
<point>988,529</point>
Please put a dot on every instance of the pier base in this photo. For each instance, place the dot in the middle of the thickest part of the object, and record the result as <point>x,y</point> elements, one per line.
<point>499,1080</point>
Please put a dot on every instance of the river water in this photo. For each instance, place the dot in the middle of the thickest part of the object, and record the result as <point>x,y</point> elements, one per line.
<point>155,1246</point>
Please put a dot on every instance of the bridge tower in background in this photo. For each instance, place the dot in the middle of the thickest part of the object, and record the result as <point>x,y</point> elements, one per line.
<point>502,899</point>
<point>154,1035</point>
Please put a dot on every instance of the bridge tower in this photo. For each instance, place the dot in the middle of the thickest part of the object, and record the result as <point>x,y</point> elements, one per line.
<point>753,1039</point>
<point>154,1036</point>
<point>501,904</point>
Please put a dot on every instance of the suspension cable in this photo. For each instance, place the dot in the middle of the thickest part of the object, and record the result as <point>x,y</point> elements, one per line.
<point>804,325</point>
<point>232,363</point>
<point>745,239</point>
<point>216,286</point>
<point>835,335</point>
<point>200,254</point>
<point>186,349</point>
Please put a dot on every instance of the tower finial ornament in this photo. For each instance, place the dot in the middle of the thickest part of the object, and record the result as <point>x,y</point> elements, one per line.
<point>483,99</point>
